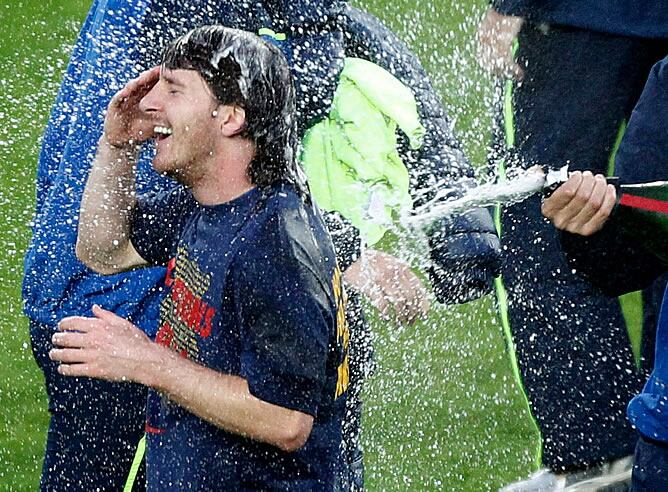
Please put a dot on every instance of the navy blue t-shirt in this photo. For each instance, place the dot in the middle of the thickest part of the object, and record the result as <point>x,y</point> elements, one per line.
<point>253,291</point>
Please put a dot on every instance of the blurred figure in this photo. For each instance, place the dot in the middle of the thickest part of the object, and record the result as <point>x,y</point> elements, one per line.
<point>574,71</point>
<point>600,245</point>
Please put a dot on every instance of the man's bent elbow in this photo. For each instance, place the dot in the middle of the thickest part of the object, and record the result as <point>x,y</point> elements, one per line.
<point>86,255</point>
<point>296,432</point>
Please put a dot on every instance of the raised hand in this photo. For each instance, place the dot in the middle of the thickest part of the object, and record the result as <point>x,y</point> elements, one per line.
<point>496,34</point>
<point>125,123</point>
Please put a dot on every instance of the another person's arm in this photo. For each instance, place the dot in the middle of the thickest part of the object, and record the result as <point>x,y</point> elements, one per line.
<point>496,34</point>
<point>597,245</point>
<point>390,286</point>
<point>111,348</point>
<point>464,250</point>
<point>103,241</point>
<point>594,242</point>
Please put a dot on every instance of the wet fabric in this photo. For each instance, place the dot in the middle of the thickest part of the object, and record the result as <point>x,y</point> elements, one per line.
<point>645,139</point>
<point>93,430</point>
<point>650,466</point>
<point>253,291</point>
<point>574,355</point>
<point>646,19</point>
<point>617,262</point>
<point>351,157</point>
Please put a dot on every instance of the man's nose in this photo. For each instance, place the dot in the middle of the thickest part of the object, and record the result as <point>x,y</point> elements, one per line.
<point>150,103</point>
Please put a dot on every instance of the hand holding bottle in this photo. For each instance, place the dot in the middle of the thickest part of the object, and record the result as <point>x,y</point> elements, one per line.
<point>582,204</point>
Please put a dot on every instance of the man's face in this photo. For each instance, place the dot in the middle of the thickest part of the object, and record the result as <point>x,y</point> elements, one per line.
<point>186,132</point>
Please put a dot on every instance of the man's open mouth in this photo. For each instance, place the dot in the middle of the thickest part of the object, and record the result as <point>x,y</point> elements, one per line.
<point>162,132</point>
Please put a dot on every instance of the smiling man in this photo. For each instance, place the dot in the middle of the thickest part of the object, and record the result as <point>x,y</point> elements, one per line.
<point>248,374</point>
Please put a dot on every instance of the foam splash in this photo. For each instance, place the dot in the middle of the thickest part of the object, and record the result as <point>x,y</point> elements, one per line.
<point>515,190</point>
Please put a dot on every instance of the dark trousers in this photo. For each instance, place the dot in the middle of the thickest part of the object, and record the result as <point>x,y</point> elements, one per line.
<point>361,367</point>
<point>94,428</point>
<point>574,355</point>
<point>650,466</point>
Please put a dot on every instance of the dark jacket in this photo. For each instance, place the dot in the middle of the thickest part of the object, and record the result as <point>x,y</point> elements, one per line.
<point>617,261</point>
<point>637,18</point>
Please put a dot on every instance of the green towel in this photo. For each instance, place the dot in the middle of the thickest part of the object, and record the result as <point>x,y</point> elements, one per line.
<point>351,158</point>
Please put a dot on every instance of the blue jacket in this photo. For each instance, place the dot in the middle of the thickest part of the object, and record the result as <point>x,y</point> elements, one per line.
<point>642,157</point>
<point>56,284</point>
<point>638,18</point>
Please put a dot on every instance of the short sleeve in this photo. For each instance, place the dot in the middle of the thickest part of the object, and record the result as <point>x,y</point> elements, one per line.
<point>287,324</point>
<point>157,221</point>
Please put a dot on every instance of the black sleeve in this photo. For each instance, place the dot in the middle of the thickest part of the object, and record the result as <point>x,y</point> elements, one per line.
<point>346,239</point>
<point>157,221</point>
<point>314,49</point>
<point>612,260</point>
<point>304,14</point>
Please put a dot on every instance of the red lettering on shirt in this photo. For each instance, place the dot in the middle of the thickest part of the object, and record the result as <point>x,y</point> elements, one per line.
<point>195,313</point>
<point>208,320</point>
<point>165,335</point>
<point>169,277</point>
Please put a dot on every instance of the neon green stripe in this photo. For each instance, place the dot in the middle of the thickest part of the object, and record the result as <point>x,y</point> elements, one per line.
<point>136,463</point>
<point>501,294</point>
<point>632,307</point>
<point>631,304</point>
<point>615,147</point>
<point>508,119</point>
<point>278,36</point>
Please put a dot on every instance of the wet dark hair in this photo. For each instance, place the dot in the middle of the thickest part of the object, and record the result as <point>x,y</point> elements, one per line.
<point>241,69</point>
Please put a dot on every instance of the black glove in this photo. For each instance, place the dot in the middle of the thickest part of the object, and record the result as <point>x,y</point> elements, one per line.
<point>466,256</point>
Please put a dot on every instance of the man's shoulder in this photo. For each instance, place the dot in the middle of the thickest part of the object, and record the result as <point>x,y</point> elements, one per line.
<point>289,228</point>
<point>286,214</point>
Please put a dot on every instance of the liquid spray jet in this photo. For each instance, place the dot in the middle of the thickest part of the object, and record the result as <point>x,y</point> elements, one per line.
<point>530,182</point>
<point>641,209</point>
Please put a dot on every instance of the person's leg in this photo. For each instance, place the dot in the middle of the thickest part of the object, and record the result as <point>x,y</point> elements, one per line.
<point>574,355</point>
<point>361,367</point>
<point>94,427</point>
<point>650,467</point>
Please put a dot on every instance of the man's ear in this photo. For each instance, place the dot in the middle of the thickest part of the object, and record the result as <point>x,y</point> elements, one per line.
<point>232,120</point>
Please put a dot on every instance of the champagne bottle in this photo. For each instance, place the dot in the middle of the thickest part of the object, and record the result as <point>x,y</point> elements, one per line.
<point>642,211</point>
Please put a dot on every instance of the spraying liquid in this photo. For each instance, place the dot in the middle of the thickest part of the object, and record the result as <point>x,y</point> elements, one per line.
<point>528,183</point>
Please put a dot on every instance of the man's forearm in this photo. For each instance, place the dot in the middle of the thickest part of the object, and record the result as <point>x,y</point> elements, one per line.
<point>223,400</point>
<point>103,241</point>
